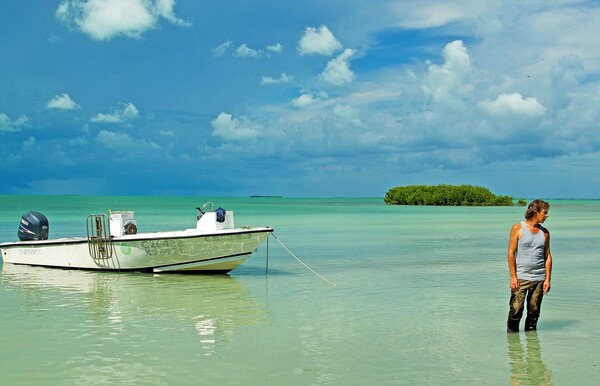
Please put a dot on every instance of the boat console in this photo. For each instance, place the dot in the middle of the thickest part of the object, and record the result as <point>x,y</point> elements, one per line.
<point>122,223</point>
<point>210,219</point>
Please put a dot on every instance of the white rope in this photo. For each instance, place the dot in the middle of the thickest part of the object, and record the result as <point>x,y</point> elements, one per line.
<point>301,262</point>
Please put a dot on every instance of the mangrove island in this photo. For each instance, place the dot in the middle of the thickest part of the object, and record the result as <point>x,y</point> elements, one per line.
<point>445,195</point>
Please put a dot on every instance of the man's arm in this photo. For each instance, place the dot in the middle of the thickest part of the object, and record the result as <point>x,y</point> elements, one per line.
<point>548,257</point>
<point>512,261</point>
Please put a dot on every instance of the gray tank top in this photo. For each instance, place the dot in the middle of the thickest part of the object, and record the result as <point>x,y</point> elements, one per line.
<point>531,262</point>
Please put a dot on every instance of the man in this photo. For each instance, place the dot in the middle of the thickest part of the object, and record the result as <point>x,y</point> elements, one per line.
<point>529,265</point>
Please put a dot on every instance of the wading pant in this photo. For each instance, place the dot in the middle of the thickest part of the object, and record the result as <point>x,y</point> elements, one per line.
<point>533,291</point>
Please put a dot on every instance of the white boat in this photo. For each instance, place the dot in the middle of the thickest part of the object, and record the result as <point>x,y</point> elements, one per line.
<point>112,243</point>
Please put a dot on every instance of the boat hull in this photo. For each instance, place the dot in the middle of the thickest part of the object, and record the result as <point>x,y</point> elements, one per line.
<point>185,251</point>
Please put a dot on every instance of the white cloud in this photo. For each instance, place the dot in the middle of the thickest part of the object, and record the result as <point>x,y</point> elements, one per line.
<point>164,8</point>
<point>348,113</point>
<point>222,48</point>
<point>444,83</point>
<point>512,104</point>
<point>116,140</point>
<point>319,41</point>
<point>277,48</point>
<point>283,78</point>
<point>244,51</point>
<point>338,72</point>
<point>10,125</point>
<point>105,19</point>
<point>304,100</point>
<point>62,102</point>
<point>456,58</point>
<point>425,14</point>
<point>126,113</point>
<point>228,128</point>
<point>549,41</point>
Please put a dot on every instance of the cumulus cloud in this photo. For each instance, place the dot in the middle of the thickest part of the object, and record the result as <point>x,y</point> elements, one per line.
<point>164,8</point>
<point>127,112</point>
<point>12,125</point>
<point>244,51</point>
<point>105,19</point>
<point>348,113</point>
<point>304,100</point>
<point>117,140</point>
<point>338,72</point>
<point>283,78</point>
<point>277,48</point>
<point>228,128</point>
<point>512,104</point>
<point>444,82</point>
<point>62,102</point>
<point>318,41</point>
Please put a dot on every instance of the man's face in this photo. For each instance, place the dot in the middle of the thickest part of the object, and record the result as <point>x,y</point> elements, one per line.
<point>541,216</point>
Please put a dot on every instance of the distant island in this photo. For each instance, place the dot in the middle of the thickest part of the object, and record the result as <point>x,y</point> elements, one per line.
<point>446,195</point>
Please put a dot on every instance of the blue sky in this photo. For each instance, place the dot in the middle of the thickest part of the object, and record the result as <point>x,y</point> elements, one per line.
<point>299,98</point>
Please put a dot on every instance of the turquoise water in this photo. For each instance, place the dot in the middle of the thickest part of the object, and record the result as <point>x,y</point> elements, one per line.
<point>421,297</point>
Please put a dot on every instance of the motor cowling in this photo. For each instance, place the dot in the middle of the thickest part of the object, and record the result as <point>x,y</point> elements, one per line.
<point>33,226</point>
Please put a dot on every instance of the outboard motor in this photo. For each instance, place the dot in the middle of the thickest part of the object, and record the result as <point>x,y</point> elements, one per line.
<point>34,226</point>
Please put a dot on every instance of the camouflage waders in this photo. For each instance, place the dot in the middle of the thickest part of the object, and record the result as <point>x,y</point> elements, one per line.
<point>533,291</point>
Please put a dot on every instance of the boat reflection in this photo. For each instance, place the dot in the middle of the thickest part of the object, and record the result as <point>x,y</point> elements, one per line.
<point>214,306</point>
<point>526,364</point>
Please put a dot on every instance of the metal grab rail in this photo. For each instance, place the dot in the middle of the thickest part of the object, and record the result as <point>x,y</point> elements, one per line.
<point>98,235</point>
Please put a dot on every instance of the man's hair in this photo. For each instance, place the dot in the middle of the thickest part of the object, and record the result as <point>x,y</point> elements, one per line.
<point>534,207</point>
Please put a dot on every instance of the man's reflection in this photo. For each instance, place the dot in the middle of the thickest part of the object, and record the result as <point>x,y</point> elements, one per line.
<point>526,365</point>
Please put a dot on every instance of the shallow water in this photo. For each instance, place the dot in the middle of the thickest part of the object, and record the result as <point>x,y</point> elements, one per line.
<point>421,297</point>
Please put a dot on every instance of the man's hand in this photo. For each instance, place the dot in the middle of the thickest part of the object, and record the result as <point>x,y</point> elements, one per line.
<point>546,286</point>
<point>514,283</point>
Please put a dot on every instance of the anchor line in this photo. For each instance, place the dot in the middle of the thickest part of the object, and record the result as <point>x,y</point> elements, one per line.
<point>301,262</point>
<point>267,266</point>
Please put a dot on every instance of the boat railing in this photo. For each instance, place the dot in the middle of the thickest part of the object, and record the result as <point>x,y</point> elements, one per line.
<point>207,207</point>
<point>98,235</point>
